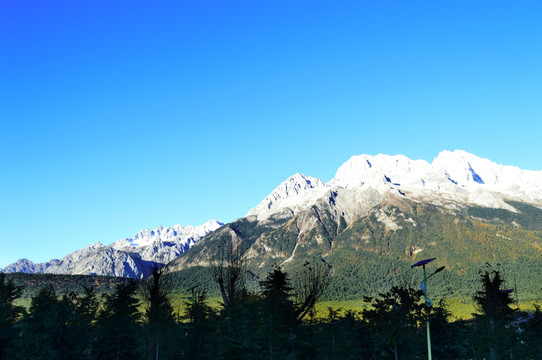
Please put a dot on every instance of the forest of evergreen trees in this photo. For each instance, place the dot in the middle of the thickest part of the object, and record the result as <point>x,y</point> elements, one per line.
<point>138,321</point>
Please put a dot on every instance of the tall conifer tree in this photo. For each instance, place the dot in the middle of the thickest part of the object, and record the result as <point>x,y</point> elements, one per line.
<point>494,314</point>
<point>118,331</point>
<point>160,319</point>
<point>278,313</point>
<point>9,314</point>
<point>41,328</point>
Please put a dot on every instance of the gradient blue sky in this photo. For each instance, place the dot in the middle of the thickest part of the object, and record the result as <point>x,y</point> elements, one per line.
<point>121,115</point>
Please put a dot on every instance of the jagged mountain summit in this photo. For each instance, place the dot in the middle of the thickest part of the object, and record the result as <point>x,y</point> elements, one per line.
<point>129,257</point>
<point>455,176</point>
<point>377,211</point>
<point>381,213</point>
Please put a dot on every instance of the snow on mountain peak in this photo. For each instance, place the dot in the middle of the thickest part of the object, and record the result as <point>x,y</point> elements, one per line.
<point>456,175</point>
<point>470,171</point>
<point>294,191</point>
<point>132,257</point>
<point>465,168</point>
<point>379,171</point>
<point>177,234</point>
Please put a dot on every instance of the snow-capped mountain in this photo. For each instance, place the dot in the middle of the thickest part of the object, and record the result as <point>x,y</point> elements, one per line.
<point>305,213</point>
<point>129,257</point>
<point>163,244</point>
<point>381,214</point>
<point>295,193</point>
<point>452,176</point>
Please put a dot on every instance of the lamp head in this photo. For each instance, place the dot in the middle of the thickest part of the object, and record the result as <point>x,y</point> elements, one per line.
<point>423,262</point>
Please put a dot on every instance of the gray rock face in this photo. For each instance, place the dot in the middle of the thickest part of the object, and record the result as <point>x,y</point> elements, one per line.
<point>130,257</point>
<point>305,213</point>
<point>304,216</point>
<point>104,260</point>
<point>28,267</point>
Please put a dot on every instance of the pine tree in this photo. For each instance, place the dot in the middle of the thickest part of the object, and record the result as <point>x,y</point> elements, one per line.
<point>160,319</point>
<point>494,314</point>
<point>198,328</point>
<point>86,309</point>
<point>239,334</point>
<point>68,327</point>
<point>118,326</point>
<point>394,317</point>
<point>9,314</point>
<point>278,313</point>
<point>41,328</point>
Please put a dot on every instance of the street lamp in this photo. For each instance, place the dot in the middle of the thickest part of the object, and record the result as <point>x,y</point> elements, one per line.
<point>426,296</point>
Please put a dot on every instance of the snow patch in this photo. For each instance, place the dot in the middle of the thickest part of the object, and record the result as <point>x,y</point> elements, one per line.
<point>416,250</point>
<point>387,221</point>
<point>450,178</point>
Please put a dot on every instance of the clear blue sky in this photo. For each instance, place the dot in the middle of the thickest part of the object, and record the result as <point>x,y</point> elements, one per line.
<point>121,115</point>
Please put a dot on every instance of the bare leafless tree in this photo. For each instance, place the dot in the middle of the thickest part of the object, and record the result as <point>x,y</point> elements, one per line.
<point>228,270</point>
<point>309,286</point>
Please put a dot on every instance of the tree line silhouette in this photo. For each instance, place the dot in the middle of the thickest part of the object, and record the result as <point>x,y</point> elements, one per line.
<point>277,322</point>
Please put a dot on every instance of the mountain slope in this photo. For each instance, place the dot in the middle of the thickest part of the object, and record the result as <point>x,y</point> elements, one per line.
<point>452,176</point>
<point>380,214</point>
<point>129,257</point>
<point>374,250</point>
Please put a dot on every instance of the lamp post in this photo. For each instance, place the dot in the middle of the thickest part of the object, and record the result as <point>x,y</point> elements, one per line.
<point>426,296</point>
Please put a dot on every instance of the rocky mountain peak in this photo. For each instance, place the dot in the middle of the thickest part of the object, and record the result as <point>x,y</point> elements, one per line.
<point>295,191</point>
<point>455,175</point>
<point>128,257</point>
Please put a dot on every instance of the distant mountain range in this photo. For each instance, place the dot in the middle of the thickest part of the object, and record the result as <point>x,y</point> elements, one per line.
<point>380,214</point>
<point>375,217</point>
<point>130,257</point>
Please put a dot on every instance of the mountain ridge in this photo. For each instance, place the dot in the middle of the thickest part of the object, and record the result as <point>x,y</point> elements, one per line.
<point>382,213</point>
<point>129,257</point>
<point>456,175</point>
<point>305,216</point>
<point>374,248</point>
